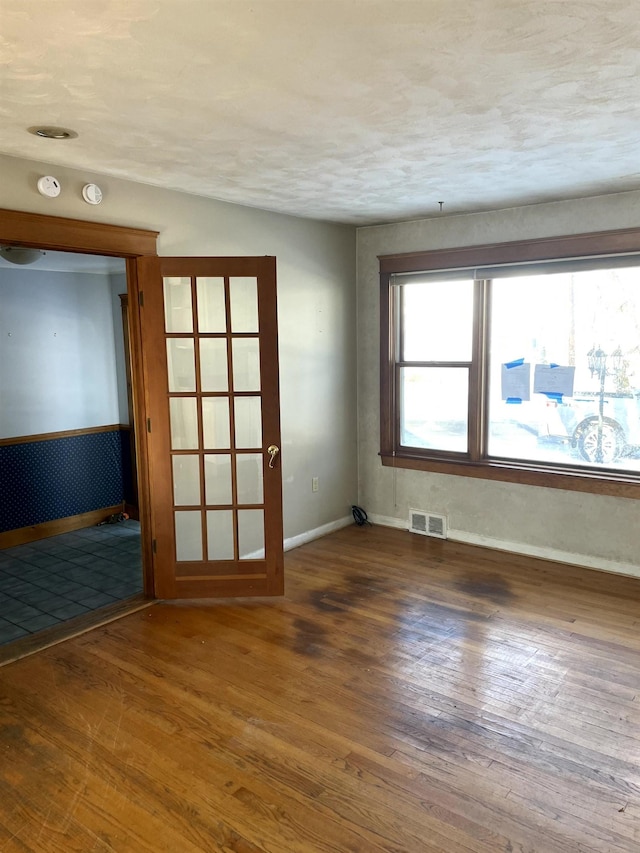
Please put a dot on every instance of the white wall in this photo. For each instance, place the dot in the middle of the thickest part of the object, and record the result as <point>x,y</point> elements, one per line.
<point>316,312</point>
<point>587,529</point>
<point>118,283</point>
<point>57,359</point>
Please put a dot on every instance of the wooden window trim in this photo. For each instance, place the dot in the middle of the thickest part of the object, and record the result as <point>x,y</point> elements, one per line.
<point>545,249</point>
<point>551,248</point>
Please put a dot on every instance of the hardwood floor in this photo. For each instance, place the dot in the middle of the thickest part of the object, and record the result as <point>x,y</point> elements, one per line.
<point>405,695</point>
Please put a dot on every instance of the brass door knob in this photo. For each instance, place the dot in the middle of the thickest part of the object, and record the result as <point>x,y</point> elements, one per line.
<point>273,451</point>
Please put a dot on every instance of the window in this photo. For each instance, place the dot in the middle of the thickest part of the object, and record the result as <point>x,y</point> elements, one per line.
<point>518,362</point>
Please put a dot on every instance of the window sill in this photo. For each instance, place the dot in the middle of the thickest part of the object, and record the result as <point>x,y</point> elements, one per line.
<point>599,483</point>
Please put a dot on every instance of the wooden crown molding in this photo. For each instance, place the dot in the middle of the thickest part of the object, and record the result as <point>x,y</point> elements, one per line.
<point>59,234</point>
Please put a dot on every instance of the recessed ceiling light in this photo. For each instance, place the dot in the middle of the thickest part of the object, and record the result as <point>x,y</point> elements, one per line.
<point>53,132</point>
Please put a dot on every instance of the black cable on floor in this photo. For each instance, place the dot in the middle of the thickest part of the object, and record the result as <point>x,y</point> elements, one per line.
<point>359,516</point>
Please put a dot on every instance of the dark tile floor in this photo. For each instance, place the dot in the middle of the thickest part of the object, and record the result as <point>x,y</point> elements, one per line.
<point>47,582</point>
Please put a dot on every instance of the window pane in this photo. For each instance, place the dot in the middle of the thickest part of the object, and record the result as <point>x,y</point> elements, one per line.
<point>249,478</point>
<point>188,535</point>
<point>181,367</point>
<point>213,364</point>
<point>215,423</point>
<point>178,316</point>
<point>220,534</point>
<point>545,402</point>
<point>186,480</point>
<point>248,421</point>
<point>183,418</point>
<point>251,534</point>
<point>246,364</point>
<point>437,319</point>
<point>434,407</point>
<point>211,307</point>
<point>244,304</point>
<point>217,478</point>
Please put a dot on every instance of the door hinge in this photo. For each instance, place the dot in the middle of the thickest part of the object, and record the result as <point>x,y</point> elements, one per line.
<point>141,299</point>
<point>148,424</point>
<point>154,546</point>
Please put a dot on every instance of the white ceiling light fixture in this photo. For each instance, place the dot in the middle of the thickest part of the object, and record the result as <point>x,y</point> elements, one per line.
<point>21,255</point>
<point>53,132</point>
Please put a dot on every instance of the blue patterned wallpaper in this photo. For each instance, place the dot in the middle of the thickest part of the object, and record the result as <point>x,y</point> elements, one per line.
<point>45,480</point>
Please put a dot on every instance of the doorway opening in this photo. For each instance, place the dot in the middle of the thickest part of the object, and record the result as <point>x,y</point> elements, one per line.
<point>70,545</point>
<point>248,431</point>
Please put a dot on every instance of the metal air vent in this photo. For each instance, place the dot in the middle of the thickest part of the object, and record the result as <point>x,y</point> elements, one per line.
<point>427,523</point>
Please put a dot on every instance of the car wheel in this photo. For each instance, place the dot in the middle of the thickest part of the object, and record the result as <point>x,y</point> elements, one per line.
<point>612,443</point>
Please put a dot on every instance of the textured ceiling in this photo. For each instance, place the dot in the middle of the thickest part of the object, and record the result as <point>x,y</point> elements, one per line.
<point>357,111</point>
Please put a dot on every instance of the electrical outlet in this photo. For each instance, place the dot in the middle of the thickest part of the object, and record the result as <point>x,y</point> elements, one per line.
<point>314,484</point>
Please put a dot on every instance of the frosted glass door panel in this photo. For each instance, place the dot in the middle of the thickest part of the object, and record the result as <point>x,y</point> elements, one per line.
<point>188,535</point>
<point>213,364</point>
<point>181,365</point>
<point>184,423</point>
<point>211,307</point>
<point>251,534</point>
<point>246,364</point>
<point>178,316</point>
<point>215,423</point>
<point>220,534</point>
<point>186,480</point>
<point>249,478</point>
<point>217,479</point>
<point>244,304</point>
<point>248,422</point>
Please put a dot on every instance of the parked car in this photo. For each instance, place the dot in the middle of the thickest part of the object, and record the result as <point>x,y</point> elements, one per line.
<point>576,421</point>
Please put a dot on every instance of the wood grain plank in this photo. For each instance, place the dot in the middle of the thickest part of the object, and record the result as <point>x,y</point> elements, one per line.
<point>405,696</point>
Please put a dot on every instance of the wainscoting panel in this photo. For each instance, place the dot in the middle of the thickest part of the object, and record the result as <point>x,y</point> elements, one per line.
<point>56,477</point>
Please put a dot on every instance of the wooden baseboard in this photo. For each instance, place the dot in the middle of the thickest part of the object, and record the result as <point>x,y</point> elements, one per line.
<point>22,535</point>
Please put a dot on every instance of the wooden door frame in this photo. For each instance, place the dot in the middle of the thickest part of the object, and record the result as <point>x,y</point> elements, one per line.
<point>131,509</point>
<point>55,233</point>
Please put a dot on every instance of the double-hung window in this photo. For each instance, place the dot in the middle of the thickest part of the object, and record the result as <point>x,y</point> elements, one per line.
<point>518,361</point>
